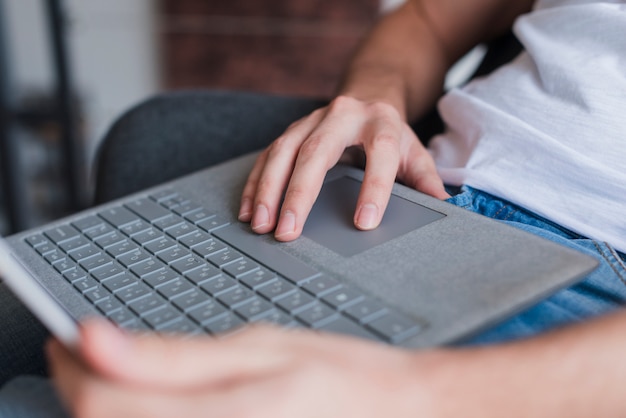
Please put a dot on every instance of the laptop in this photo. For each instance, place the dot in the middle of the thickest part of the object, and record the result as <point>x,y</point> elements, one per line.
<point>174,259</point>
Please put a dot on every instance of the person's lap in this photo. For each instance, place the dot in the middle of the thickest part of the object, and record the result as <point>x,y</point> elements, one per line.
<point>173,135</point>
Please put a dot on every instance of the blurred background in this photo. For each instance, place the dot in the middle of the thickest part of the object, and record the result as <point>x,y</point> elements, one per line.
<point>68,68</point>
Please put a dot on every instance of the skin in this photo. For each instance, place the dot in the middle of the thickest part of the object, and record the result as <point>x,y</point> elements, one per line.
<point>268,372</point>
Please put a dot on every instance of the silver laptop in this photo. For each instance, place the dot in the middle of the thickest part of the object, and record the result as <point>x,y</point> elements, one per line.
<point>174,259</point>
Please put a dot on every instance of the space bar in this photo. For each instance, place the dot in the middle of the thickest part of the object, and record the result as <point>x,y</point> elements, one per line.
<point>238,236</point>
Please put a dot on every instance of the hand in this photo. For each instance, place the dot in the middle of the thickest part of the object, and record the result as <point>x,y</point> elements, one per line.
<point>260,372</point>
<point>299,159</point>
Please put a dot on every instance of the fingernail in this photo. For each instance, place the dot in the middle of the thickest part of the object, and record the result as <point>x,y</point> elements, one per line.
<point>287,224</point>
<point>261,217</point>
<point>245,209</point>
<point>367,217</point>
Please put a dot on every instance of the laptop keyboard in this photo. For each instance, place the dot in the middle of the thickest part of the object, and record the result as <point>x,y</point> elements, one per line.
<point>164,263</point>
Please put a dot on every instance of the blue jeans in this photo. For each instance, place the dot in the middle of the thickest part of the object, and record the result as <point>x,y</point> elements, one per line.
<point>601,292</point>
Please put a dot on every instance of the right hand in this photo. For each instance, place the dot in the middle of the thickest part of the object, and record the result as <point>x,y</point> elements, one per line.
<point>299,159</point>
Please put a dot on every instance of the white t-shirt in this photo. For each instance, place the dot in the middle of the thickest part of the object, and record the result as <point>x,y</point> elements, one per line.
<point>548,131</point>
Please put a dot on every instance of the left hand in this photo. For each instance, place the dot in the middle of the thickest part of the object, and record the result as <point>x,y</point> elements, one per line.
<point>259,372</point>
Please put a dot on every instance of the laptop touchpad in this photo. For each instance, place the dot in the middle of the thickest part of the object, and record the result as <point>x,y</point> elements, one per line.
<point>331,220</point>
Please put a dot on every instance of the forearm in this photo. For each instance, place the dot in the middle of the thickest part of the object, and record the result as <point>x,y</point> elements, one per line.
<point>400,63</point>
<point>576,372</point>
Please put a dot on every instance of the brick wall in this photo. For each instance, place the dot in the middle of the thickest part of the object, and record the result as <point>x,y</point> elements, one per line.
<point>280,46</point>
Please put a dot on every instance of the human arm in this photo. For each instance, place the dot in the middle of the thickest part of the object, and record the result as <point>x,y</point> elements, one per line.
<point>266,372</point>
<point>395,77</point>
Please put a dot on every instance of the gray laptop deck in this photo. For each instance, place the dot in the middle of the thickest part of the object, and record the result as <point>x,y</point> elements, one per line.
<point>451,271</point>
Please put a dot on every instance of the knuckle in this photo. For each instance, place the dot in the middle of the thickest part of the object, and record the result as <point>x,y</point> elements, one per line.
<point>387,141</point>
<point>312,147</point>
<point>264,187</point>
<point>296,194</point>
<point>342,102</point>
<point>280,145</point>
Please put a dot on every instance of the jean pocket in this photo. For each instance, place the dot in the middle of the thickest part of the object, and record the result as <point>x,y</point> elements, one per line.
<point>616,260</point>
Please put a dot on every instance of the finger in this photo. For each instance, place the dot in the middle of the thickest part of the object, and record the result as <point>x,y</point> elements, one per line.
<point>321,151</point>
<point>170,362</point>
<point>274,174</point>
<point>418,170</point>
<point>382,150</point>
<point>249,189</point>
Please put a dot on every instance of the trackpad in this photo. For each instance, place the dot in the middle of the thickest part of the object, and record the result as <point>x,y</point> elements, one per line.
<point>331,220</point>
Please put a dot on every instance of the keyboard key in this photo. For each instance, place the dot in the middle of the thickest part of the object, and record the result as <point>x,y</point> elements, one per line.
<point>64,266</point>
<point>186,208</point>
<point>277,289</point>
<point>108,306</point>
<point>61,233</point>
<point>175,288</point>
<point>149,235</point>
<point>46,248</point>
<point>95,262</point>
<point>218,284</point>
<point>84,252</point>
<point>213,223</point>
<point>146,305</point>
<point>254,308</point>
<point>148,209</point>
<point>110,239</point>
<point>87,223</point>
<point>202,274</point>
<point>198,216</point>
<point>134,257</point>
<point>191,300</point>
<point>147,267</point>
<point>161,244</point>
<point>278,317</point>
<point>121,248</point>
<point>321,285</point>
<point>342,325</point>
<point>180,230</point>
<point>54,257</point>
<point>236,296</point>
<point>99,231</point>
<point>160,277</point>
<point>395,327</point>
<point>184,326</point>
<point>257,278</point>
<point>173,254</point>
<point>133,292</point>
<point>343,297</point>
<point>98,294</point>
<point>85,284</point>
<point>163,316</point>
<point>173,202</point>
<point>207,312</point>
<point>107,271</point>
<point>36,240</point>
<point>296,301</point>
<point>316,315</point>
<point>224,324</point>
<point>122,317</point>
<point>366,310</point>
<point>209,248</point>
<point>118,216</point>
<point>191,262</point>
<point>74,243</point>
<point>241,267</point>
<point>168,222</point>
<point>122,281</point>
<point>163,195</point>
<point>195,238</point>
<point>73,275</point>
<point>135,228</point>
<point>224,257</point>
